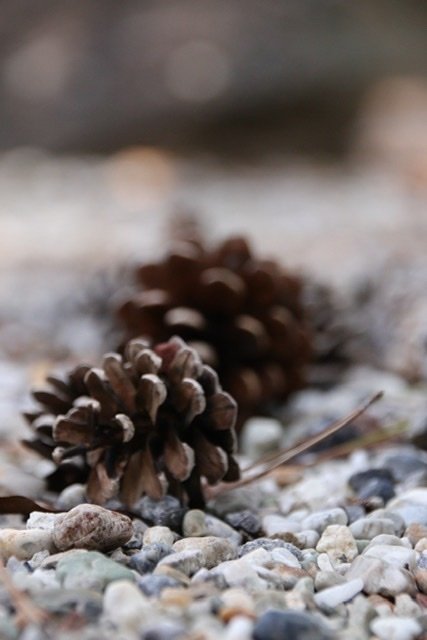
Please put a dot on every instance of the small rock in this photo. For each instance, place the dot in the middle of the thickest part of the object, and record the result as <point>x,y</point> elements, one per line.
<point>176,597</point>
<point>377,487</point>
<point>187,562</point>
<point>277,625</point>
<point>319,520</point>
<point>406,607</point>
<point>152,585</point>
<point>240,628</point>
<point>41,520</point>
<point>333,596</point>
<point>398,556</point>
<point>421,545</point>
<point>274,524</point>
<point>326,579</point>
<point>245,520</point>
<point>410,512</point>
<point>235,602</point>
<point>306,539</point>
<point>354,512</point>
<point>260,436</point>
<point>394,628</point>
<point>381,577</point>
<point>368,528</point>
<point>269,545</point>
<point>167,512</point>
<point>125,606</point>
<point>89,570</point>
<point>415,532</point>
<point>405,464</point>
<point>24,543</point>
<point>158,535</point>
<point>71,496</point>
<point>198,523</point>
<point>338,542</point>
<point>214,550</point>
<point>146,560</point>
<point>89,526</point>
<point>389,540</point>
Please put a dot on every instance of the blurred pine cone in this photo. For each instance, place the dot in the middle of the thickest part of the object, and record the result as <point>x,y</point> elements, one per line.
<point>243,315</point>
<point>148,421</point>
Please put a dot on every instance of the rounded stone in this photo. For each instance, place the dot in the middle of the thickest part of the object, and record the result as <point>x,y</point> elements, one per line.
<point>394,628</point>
<point>338,542</point>
<point>24,543</point>
<point>298,625</point>
<point>158,535</point>
<point>368,528</point>
<point>319,520</point>
<point>89,526</point>
<point>333,596</point>
<point>125,605</point>
<point>147,559</point>
<point>214,550</point>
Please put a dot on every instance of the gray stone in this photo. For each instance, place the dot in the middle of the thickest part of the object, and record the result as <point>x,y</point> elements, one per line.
<point>394,628</point>
<point>187,562</point>
<point>146,560</point>
<point>381,577</point>
<point>321,519</point>
<point>89,570</point>
<point>245,520</point>
<point>368,528</point>
<point>198,523</point>
<point>326,579</point>
<point>41,520</point>
<point>153,585</point>
<point>298,625</point>
<point>167,512</point>
<point>333,596</point>
<point>214,550</point>
<point>306,539</point>
<point>159,535</point>
<point>70,497</point>
<point>89,526</point>
<point>269,545</point>
<point>389,540</point>
<point>274,524</point>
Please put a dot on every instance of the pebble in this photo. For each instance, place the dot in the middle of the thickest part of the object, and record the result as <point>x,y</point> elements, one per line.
<point>368,528</point>
<point>147,559</point>
<point>153,585</point>
<point>89,526</point>
<point>411,512</point>
<point>187,562</point>
<point>325,579</point>
<point>338,542</point>
<point>236,602</point>
<point>333,596</point>
<point>273,524</point>
<point>213,550</point>
<point>240,628</point>
<point>89,570</point>
<point>245,520</point>
<point>319,520</point>
<point>24,543</point>
<point>276,625</point>
<point>381,577</point>
<point>389,540</point>
<point>306,539</point>
<point>125,606</point>
<point>395,628</point>
<point>41,520</point>
<point>158,535</point>
<point>198,523</point>
<point>268,545</point>
<point>415,532</point>
<point>398,556</point>
<point>167,512</point>
<point>71,496</point>
<point>261,435</point>
<point>405,464</point>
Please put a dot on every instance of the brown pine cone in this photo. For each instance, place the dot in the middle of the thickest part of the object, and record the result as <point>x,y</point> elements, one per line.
<point>243,315</point>
<point>150,421</point>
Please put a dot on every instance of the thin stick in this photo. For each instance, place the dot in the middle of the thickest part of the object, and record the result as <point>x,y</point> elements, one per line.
<point>27,612</point>
<point>272,461</point>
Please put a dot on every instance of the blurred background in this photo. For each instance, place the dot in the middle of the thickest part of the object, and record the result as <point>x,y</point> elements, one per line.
<point>302,123</point>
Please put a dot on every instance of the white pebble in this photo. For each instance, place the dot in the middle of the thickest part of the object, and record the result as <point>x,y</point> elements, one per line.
<point>393,628</point>
<point>333,596</point>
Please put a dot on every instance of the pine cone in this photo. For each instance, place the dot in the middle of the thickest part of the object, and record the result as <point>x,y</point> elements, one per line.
<point>243,315</point>
<point>146,421</point>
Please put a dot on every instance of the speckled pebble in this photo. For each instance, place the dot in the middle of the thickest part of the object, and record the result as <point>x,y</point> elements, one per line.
<point>245,520</point>
<point>214,550</point>
<point>187,562</point>
<point>381,577</point>
<point>153,585</point>
<point>197,523</point>
<point>268,545</point>
<point>338,542</point>
<point>398,556</point>
<point>89,526</point>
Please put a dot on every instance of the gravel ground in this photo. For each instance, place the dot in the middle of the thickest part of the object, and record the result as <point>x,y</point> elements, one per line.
<point>341,552</point>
